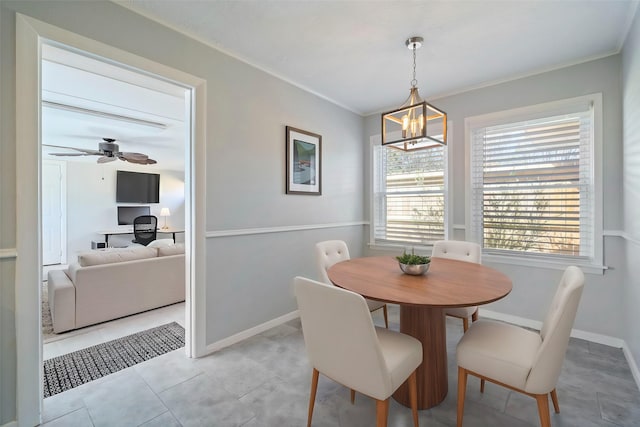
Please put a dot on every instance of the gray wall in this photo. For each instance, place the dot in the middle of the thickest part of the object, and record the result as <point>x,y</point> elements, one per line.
<point>7,217</point>
<point>631,183</point>
<point>247,111</point>
<point>533,288</point>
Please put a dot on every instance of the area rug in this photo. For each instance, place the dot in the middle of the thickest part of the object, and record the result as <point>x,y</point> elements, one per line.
<point>65,372</point>
<point>47,322</point>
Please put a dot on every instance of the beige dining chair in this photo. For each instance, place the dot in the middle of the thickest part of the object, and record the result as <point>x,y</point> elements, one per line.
<point>460,251</point>
<point>519,359</point>
<point>349,349</point>
<point>331,252</point>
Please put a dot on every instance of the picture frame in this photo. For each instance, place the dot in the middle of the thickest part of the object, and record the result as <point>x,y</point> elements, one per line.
<point>304,162</point>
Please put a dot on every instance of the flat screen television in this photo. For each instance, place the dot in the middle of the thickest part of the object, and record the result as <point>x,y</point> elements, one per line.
<point>126,214</point>
<point>136,187</point>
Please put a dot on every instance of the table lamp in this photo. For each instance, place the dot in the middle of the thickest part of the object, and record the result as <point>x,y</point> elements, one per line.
<point>165,213</point>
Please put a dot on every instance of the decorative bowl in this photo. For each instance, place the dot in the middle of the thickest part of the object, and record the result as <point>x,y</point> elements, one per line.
<point>414,269</point>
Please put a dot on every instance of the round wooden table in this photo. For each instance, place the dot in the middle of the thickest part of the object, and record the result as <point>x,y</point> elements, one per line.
<point>448,283</point>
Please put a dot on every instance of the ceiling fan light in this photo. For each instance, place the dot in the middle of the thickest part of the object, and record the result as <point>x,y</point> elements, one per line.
<point>106,159</point>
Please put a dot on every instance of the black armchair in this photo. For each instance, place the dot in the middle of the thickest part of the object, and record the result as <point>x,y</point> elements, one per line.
<point>145,229</point>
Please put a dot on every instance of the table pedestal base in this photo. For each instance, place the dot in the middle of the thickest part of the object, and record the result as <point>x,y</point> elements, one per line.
<point>428,326</point>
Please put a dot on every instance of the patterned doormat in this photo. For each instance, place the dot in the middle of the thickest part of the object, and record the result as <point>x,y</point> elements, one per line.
<point>65,372</point>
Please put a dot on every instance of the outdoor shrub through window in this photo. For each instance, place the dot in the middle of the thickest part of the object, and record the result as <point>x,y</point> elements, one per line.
<point>532,185</point>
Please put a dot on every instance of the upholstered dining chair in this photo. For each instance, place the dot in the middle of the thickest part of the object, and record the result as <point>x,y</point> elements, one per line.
<point>145,229</point>
<point>460,251</point>
<point>331,252</point>
<point>519,359</point>
<point>350,350</point>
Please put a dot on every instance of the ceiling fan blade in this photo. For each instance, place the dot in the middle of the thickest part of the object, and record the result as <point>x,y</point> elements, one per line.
<point>105,159</point>
<point>139,162</point>
<point>71,154</point>
<point>146,161</point>
<point>82,150</point>
<point>135,156</point>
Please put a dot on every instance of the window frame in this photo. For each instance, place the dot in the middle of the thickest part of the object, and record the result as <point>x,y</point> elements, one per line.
<point>592,264</point>
<point>375,141</point>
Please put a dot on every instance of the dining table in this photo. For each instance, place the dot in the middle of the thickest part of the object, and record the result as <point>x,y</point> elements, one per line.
<point>423,300</point>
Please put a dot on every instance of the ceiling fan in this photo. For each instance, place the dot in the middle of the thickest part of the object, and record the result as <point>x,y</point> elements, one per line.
<point>109,152</point>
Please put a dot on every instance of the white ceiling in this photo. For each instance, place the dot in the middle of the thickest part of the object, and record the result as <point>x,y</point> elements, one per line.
<point>349,52</point>
<point>143,114</point>
<point>353,53</point>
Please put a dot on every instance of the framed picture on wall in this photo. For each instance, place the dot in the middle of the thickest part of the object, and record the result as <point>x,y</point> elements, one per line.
<point>304,160</point>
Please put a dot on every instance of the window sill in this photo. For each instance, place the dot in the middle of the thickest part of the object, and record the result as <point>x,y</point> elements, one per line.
<point>536,262</point>
<point>586,266</point>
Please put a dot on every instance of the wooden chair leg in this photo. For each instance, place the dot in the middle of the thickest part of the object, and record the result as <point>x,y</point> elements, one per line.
<point>413,396</point>
<point>382,412</point>
<point>353,396</point>
<point>462,389</point>
<point>554,399</point>
<point>386,318</point>
<point>474,316</point>
<point>465,324</point>
<point>481,385</point>
<point>543,410</point>
<point>312,397</point>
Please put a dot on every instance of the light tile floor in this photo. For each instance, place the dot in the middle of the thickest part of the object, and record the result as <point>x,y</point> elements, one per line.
<point>264,381</point>
<point>86,337</point>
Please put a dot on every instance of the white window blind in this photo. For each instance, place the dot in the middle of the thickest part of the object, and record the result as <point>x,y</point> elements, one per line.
<point>532,186</point>
<point>409,195</point>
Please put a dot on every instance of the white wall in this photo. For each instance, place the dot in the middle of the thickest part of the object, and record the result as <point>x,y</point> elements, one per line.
<point>92,207</point>
<point>631,183</point>
<point>533,288</point>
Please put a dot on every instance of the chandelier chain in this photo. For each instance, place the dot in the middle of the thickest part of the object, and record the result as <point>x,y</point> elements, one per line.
<point>414,82</point>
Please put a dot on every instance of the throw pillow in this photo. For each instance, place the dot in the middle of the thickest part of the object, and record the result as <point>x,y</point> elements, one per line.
<point>161,243</point>
<point>176,249</point>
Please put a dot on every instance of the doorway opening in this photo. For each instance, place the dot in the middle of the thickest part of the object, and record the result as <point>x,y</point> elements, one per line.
<point>32,37</point>
<point>88,106</point>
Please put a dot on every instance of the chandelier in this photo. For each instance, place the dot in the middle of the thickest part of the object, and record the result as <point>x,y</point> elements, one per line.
<point>416,124</point>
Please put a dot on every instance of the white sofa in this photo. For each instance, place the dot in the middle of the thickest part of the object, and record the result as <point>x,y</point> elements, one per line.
<point>106,285</point>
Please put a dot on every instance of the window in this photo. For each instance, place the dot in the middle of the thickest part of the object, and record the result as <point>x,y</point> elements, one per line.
<point>533,186</point>
<point>409,195</point>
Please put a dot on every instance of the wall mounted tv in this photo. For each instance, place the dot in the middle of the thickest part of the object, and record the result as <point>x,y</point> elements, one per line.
<point>136,187</point>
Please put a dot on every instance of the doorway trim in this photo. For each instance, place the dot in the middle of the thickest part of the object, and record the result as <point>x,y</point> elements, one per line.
<point>30,35</point>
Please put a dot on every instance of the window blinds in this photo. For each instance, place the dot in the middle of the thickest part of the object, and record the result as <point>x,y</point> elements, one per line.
<point>532,186</point>
<point>409,195</point>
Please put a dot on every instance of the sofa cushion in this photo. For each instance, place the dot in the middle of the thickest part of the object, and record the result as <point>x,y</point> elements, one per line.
<point>161,243</point>
<point>177,249</point>
<point>115,255</point>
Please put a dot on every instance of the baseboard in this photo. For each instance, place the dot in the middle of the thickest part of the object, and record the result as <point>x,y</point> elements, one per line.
<point>10,424</point>
<point>635,371</point>
<point>576,333</point>
<point>516,320</point>
<point>535,324</point>
<point>248,333</point>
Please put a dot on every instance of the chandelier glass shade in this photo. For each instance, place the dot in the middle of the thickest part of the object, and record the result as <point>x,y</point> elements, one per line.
<point>416,124</point>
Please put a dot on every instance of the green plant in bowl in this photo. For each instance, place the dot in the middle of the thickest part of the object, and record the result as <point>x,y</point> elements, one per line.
<point>412,259</point>
<point>413,264</point>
